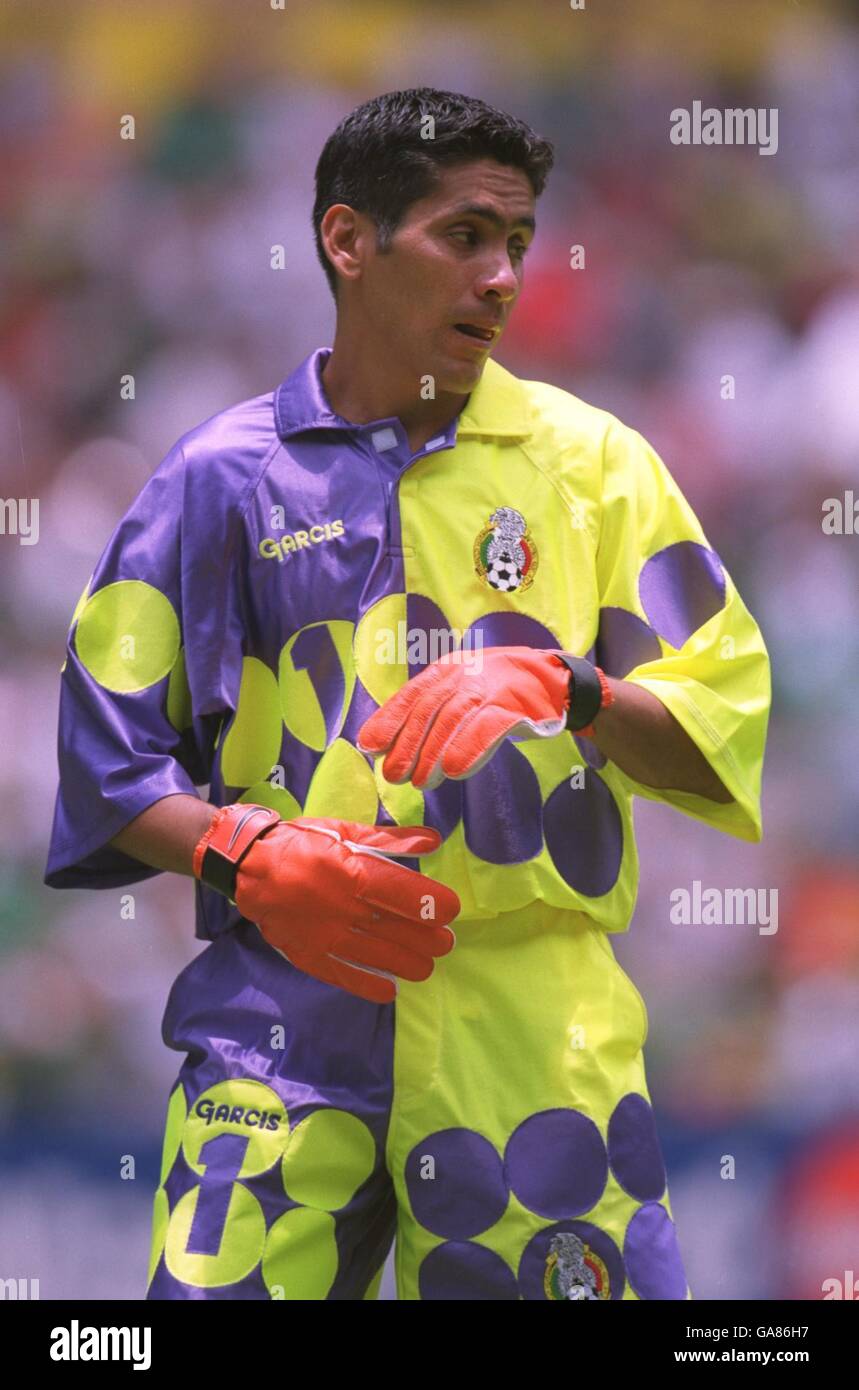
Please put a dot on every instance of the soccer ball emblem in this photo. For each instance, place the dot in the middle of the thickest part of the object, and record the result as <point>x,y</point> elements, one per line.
<point>505,556</point>
<point>502,573</point>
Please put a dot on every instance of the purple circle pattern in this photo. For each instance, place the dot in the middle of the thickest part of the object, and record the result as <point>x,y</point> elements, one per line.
<point>422,614</point>
<point>514,630</point>
<point>634,1153</point>
<point>443,807</point>
<point>532,1266</point>
<point>468,1192</point>
<point>589,752</point>
<point>681,588</point>
<point>651,1254</point>
<point>508,787</point>
<point>624,642</point>
<point>556,1163</point>
<point>584,835</point>
<point>461,1270</point>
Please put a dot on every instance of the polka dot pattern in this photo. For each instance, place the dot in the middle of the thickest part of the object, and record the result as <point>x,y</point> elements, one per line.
<point>584,835</point>
<point>330,1155</point>
<point>512,833</point>
<point>681,588</point>
<point>456,1185</point>
<point>653,1263</point>
<point>316,676</point>
<point>251,1208</point>
<point>185,1254</point>
<point>299,1261</point>
<point>127,636</point>
<point>252,743</point>
<point>343,786</point>
<point>624,642</point>
<point>634,1152</point>
<point>463,1271</point>
<point>556,1163</point>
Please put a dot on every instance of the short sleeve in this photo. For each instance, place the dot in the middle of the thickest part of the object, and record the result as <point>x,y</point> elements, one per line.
<point>673,622</point>
<point>137,718</point>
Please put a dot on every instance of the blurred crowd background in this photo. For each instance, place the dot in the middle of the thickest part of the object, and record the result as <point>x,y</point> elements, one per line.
<point>152,257</point>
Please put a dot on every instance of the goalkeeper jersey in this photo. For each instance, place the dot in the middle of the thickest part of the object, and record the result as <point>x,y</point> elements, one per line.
<point>284,571</point>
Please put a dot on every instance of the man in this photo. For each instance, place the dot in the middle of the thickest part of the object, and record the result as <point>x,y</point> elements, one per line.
<point>425,629</point>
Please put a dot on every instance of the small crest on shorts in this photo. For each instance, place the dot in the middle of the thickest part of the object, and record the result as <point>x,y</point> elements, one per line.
<point>505,556</point>
<point>574,1271</point>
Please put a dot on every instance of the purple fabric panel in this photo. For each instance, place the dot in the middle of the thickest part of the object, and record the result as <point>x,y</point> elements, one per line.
<point>461,1271</point>
<point>443,807</point>
<point>222,1006</point>
<point>220,1012</point>
<point>556,1163</point>
<point>589,752</point>
<point>502,809</point>
<point>624,642</point>
<point>584,835</point>
<point>118,752</point>
<point>681,588</point>
<point>314,652</point>
<point>463,1191</point>
<point>514,630</point>
<point>361,706</point>
<point>425,616</point>
<point>653,1263</point>
<point>633,1149</point>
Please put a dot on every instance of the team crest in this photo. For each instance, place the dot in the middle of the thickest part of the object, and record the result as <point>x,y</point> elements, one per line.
<point>505,556</point>
<point>574,1271</point>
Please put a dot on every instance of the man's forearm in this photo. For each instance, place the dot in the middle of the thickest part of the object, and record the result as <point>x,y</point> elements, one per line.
<point>166,833</point>
<point>645,740</point>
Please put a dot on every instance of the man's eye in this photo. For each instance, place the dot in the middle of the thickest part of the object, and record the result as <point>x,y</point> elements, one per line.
<point>519,250</point>
<point>467,232</point>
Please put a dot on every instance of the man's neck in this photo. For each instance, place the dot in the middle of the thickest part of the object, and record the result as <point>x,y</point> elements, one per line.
<point>357,392</point>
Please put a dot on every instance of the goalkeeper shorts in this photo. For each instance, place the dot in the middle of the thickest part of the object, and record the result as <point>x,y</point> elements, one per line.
<point>494,1123</point>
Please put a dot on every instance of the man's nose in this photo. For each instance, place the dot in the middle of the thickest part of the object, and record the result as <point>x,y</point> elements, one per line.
<point>500,279</point>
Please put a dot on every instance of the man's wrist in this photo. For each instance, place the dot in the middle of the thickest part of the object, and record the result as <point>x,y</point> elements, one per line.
<point>231,834</point>
<point>590,693</point>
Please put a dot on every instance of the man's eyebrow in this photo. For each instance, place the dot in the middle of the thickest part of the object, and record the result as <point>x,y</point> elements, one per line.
<point>490,215</point>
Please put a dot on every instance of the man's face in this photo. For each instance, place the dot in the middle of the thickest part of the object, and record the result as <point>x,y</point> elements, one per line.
<point>455,259</point>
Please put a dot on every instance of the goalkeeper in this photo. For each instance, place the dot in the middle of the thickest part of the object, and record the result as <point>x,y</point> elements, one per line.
<point>409,1021</point>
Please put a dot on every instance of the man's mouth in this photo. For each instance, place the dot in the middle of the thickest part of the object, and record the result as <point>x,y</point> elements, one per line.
<point>473,330</point>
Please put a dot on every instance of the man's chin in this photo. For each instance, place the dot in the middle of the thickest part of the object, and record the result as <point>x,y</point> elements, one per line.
<point>458,378</point>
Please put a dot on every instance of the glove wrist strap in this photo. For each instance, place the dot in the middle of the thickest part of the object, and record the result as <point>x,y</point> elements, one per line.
<point>589,693</point>
<point>219,853</point>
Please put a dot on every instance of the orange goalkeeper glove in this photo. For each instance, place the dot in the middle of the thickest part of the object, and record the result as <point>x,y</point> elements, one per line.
<point>449,720</point>
<point>327,896</point>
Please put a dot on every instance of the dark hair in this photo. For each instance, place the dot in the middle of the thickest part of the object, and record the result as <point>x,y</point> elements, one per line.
<point>377,162</point>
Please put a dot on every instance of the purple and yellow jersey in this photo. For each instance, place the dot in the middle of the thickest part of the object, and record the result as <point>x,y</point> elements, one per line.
<point>284,571</point>
<point>281,574</point>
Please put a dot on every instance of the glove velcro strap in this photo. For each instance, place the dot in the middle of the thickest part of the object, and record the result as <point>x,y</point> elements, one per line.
<point>227,841</point>
<point>587,695</point>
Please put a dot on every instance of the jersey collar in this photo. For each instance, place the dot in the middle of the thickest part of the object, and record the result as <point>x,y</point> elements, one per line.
<point>496,408</point>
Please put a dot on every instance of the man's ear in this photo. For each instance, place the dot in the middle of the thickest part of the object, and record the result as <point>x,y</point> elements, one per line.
<point>347,236</point>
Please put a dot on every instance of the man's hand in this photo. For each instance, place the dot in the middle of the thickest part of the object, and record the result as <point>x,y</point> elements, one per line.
<point>451,719</point>
<point>326,894</point>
